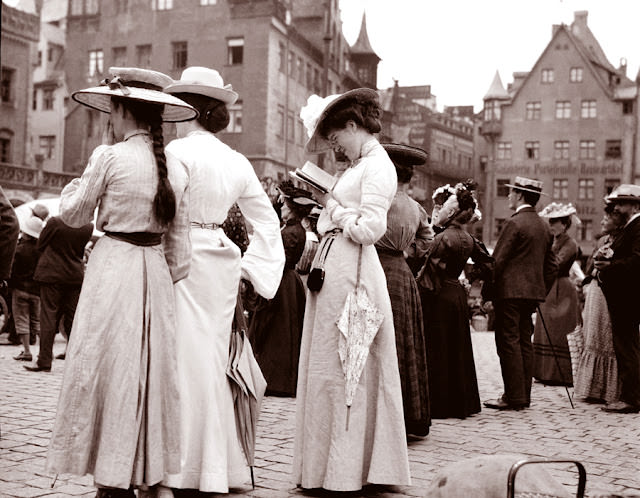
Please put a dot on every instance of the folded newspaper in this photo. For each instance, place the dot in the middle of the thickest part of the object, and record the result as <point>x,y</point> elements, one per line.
<point>314,176</point>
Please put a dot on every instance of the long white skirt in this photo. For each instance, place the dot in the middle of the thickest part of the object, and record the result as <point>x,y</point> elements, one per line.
<point>211,457</point>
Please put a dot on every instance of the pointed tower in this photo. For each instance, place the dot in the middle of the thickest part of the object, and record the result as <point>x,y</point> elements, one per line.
<point>364,59</point>
<point>493,100</point>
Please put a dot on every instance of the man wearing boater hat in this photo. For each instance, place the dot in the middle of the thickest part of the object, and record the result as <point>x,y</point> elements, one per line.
<point>525,268</point>
<point>619,279</point>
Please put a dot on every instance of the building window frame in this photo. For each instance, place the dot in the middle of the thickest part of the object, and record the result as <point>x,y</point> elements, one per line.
<point>561,149</point>
<point>235,117</point>
<point>563,109</point>
<point>96,62</point>
<point>208,2</point>
<point>586,189</point>
<point>587,149</point>
<point>6,145</point>
<point>588,109</point>
<point>503,150</point>
<point>502,190</point>
<point>492,111</point>
<point>575,74</point>
<point>613,149</point>
<point>48,99</point>
<point>7,84</point>
<point>533,110</point>
<point>47,145</point>
<point>143,55</point>
<point>180,54</point>
<point>235,50</point>
<point>560,188</point>
<point>161,4</point>
<point>119,56</point>
<point>585,230</point>
<point>532,149</point>
<point>547,76</point>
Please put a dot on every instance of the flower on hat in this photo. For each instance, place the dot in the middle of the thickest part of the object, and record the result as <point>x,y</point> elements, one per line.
<point>557,210</point>
<point>447,202</point>
<point>310,113</point>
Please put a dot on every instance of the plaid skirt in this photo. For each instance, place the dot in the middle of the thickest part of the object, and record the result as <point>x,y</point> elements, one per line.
<point>410,342</point>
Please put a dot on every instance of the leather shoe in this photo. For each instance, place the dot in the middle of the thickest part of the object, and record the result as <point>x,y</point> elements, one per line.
<point>621,407</point>
<point>61,356</point>
<point>37,368</point>
<point>501,404</point>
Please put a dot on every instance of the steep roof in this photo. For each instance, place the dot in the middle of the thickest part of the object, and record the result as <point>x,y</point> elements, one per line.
<point>496,90</point>
<point>362,46</point>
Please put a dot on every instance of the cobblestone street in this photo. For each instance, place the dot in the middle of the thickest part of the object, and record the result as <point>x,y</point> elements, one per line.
<point>607,444</point>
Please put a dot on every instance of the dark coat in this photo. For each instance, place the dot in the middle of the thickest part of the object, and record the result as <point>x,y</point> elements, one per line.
<point>24,265</point>
<point>525,265</point>
<point>62,249</point>
<point>9,231</point>
<point>620,279</point>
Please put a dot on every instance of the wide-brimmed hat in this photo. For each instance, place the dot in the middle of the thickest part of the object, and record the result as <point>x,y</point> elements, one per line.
<point>203,81</point>
<point>405,155</point>
<point>298,196</point>
<point>527,184</point>
<point>33,226</point>
<point>134,83</point>
<point>626,192</point>
<point>318,108</point>
<point>559,210</point>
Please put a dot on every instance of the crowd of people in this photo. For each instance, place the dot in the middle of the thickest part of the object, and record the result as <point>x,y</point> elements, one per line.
<point>353,293</point>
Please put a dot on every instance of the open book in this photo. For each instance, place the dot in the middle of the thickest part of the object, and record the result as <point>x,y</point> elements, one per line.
<point>315,176</point>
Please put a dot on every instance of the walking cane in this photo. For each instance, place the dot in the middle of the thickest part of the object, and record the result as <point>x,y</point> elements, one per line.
<point>553,351</point>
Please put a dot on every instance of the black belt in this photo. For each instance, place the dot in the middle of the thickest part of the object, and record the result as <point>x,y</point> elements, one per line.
<point>144,239</point>
<point>389,252</point>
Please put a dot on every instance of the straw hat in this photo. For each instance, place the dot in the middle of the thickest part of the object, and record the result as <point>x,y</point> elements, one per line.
<point>33,226</point>
<point>405,155</point>
<point>557,210</point>
<point>624,193</point>
<point>527,184</point>
<point>134,83</point>
<point>318,108</point>
<point>203,81</point>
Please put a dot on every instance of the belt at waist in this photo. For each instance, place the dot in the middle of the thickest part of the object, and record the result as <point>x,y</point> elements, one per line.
<point>144,239</point>
<point>389,252</point>
<point>206,226</point>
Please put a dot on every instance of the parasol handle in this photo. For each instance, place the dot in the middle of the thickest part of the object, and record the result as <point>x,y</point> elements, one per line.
<point>359,268</point>
<point>348,412</point>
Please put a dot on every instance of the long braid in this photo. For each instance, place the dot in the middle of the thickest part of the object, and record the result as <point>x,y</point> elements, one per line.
<point>164,203</point>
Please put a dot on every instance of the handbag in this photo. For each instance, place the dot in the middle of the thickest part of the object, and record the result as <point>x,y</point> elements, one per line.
<point>316,275</point>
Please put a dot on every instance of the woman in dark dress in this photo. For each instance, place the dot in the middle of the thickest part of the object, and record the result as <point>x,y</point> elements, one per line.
<point>453,386</point>
<point>408,233</point>
<point>276,324</point>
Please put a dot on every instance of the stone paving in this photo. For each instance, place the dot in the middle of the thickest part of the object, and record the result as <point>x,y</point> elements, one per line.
<point>607,444</point>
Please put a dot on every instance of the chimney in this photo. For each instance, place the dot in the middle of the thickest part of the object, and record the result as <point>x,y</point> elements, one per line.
<point>623,66</point>
<point>579,24</point>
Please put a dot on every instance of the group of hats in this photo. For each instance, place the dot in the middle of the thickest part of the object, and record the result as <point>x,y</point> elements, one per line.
<point>146,85</point>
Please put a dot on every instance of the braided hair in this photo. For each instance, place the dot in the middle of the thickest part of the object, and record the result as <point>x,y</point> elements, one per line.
<point>164,202</point>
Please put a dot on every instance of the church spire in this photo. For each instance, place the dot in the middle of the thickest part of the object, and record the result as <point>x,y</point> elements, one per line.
<point>362,46</point>
<point>496,90</point>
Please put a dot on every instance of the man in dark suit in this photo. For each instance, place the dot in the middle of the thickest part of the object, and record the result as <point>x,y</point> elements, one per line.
<point>525,268</point>
<point>9,231</point>
<point>60,272</point>
<point>619,279</point>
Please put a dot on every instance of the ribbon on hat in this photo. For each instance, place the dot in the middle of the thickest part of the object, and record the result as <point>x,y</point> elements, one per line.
<point>116,83</point>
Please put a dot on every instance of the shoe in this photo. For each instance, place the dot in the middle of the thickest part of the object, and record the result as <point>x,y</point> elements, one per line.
<point>23,357</point>
<point>38,368</point>
<point>621,407</point>
<point>501,404</point>
<point>32,341</point>
<point>61,356</point>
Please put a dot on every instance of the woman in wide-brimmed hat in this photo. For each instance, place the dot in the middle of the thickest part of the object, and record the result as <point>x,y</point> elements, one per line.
<point>276,324</point>
<point>551,358</point>
<point>212,459</point>
<point>373,449</point>
<point>117,416</point>
<point>408,235</point>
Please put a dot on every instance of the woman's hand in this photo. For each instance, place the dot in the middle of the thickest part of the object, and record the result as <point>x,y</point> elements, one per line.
<point>321,196</point>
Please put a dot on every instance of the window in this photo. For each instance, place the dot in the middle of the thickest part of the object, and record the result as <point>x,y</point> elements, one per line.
<point>491,110</point>
<point>47,145</point>
<point>290,63</point>
<point>613,149</point>
<point>162,4</point>
<point>47,99</point>
<point>96,62</point>
<point>235,118</point>
<point>6,137</point>
<point>235,50</point>
<point>610,184</point>
<point>143,56</point>
<point>501,187</point>
<point>208,2</point>
<point>179,54</point>
<point>77,7</point>
<point>587,149</point>
<point>532,150</point>
<point>281,121</point>
<point>300,70</point>
<point>49,53</point>
<point>560,188</point>
<point>586,189</point>
<point>585,230</point>
<point>563,109</point>
<point>533,110</point>
<point>588,109</point>
<point>119,56</point>
<point>575,75</point>
<point>547,76</point>
<point>7,76</point>
<point>561,149</point>
<point>291,130</point>
<point>627,107</point>
<point>92,6</point>
<point>504,150</point>
<point>34,100</point>
<point>282,57</point>
<point>39,58</point>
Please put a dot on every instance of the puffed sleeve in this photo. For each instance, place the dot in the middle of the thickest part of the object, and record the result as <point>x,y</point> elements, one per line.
<point>177,238</point>
<point>80,197</point>
<point>263,262</point>
<point>366,224</point>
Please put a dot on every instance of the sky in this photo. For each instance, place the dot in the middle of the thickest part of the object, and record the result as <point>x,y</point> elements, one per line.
<point>456,46</point>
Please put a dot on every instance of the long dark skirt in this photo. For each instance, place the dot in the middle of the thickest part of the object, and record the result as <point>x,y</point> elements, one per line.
<point>410,344</point>
<point>453,386</point>
<point>275,331</point>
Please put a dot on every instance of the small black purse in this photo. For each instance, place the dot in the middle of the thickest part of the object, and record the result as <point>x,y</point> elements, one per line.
<point>316,275</point>
<point>315,279</point>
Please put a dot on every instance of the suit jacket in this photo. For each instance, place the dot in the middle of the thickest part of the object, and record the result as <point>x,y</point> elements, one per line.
<point>62,249</point>
<point>525,265</point>
<point>621,278</point>
<point>9,231</point>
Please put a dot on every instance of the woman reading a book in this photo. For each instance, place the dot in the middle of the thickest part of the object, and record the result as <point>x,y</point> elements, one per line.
<point>372,448</point>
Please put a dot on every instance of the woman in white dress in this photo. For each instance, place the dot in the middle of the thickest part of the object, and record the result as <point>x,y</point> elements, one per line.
<point>117,415</point>
<point>211,456</point>
<point>373,449</point>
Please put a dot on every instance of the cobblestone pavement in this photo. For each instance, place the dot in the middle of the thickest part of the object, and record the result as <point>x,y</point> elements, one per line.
<point>607,444</point>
